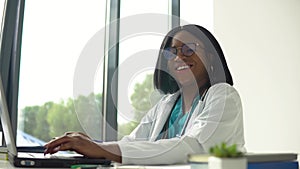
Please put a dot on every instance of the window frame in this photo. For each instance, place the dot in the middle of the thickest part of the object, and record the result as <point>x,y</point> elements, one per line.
<point>11,38</point>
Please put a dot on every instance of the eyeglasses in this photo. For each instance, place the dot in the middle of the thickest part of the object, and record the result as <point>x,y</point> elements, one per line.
<point>186,49</point>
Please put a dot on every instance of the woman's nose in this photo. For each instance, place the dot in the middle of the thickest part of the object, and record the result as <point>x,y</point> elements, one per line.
<point>179,56</point>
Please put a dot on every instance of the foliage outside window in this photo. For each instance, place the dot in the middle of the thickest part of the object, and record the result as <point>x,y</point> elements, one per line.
<point>62,115</point>
<point>143,99</point>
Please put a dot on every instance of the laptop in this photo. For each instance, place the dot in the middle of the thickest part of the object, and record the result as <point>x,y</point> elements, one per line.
<point>37,159</point>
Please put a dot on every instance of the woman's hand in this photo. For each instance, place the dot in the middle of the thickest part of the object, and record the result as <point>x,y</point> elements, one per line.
<point>74,141</point>
<point>83,144</point>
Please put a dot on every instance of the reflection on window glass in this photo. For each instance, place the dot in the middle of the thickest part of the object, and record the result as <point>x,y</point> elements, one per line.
<point>198,12</point>
<point>138,52</point>
<point>1,10</point>
<point>54,35</point>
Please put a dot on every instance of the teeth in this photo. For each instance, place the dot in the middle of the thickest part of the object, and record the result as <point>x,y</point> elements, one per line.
<point>183,67</point>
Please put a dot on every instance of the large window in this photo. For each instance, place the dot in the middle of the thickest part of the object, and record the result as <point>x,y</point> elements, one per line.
<point>54,36</point>
<point>142,30</point>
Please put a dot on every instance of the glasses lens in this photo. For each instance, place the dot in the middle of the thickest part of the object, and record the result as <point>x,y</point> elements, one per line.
<point>188,49</point>
<point>170,53</point>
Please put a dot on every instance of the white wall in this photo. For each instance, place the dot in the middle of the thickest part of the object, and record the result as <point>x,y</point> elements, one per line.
<point>261,41</point>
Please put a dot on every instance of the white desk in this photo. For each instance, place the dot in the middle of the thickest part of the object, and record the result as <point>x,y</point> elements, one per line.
<point>6,165</point>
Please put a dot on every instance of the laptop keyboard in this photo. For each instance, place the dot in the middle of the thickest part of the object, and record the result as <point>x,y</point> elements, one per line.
<point>53,156</point>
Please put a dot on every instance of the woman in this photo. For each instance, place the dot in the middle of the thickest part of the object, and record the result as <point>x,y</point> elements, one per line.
<point>200,107</point>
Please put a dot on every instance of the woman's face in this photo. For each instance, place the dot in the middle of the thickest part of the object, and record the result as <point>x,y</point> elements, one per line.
<point>188,70</point>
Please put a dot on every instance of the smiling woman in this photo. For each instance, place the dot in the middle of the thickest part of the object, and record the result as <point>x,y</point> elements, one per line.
<point>200,107</point>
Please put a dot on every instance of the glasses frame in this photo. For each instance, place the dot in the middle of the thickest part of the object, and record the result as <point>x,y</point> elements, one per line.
<point>170,53</point>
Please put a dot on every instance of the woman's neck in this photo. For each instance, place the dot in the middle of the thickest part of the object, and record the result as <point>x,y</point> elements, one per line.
<point>188,95</point>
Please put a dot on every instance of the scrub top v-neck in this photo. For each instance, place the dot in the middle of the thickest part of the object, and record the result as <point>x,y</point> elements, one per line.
<point>178,119</point>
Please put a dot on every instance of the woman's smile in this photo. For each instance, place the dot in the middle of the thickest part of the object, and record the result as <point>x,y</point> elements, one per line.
<point>183,67</point>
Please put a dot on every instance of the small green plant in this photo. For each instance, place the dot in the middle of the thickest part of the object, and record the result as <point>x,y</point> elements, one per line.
<point>224,151</point>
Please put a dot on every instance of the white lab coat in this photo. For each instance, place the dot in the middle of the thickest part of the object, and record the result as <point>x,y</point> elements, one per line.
<point>218,118</point>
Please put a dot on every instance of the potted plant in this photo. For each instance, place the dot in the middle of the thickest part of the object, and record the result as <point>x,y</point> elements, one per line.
<point>226,157</point>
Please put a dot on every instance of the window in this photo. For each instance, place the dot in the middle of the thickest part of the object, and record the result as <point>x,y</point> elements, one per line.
<point>54,36</point>
<point>138,52</point>
<point>1,9</point>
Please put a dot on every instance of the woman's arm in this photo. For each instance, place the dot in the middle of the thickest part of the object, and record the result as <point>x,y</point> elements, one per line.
<point>83,144</point>
<point>165,151</point>
<point>220,120</point>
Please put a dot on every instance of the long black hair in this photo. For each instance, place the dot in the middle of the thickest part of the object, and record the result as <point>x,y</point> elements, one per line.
<point>217,69</point>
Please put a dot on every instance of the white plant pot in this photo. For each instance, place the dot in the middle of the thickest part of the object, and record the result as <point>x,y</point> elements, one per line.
<point>227,163</point>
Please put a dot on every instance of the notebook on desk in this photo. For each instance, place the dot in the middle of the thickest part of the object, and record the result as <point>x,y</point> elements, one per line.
<point>35,159</point>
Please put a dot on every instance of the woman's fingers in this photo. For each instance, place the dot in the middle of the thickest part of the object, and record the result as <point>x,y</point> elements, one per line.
<point>77,134</point>
<point>51,151</point>
<point>82,144</point>
<point>69,141</point>
<point>55,145</point>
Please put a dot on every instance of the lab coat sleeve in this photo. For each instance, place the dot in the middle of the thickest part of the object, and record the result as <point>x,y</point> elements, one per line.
<point>165,151</point>
<point>221,119</point>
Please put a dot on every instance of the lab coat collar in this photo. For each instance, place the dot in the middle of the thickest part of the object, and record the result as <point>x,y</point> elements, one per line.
<point>165,109</point>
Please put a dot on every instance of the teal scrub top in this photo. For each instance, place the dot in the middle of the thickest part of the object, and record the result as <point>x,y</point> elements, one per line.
<point>178,118</point>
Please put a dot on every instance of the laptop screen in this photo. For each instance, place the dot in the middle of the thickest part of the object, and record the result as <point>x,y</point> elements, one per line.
<point>5,122</point>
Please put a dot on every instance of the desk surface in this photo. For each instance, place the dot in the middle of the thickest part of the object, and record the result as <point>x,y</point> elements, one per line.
<point>6,165</point>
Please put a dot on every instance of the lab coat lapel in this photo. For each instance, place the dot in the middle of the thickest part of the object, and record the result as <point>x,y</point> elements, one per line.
<point>163,113</point>
<point>198,110</point>
<point>195,113</point>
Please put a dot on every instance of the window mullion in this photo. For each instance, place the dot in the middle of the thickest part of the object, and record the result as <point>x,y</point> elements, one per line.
<point>110,73</point>
<point>174,13</point>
